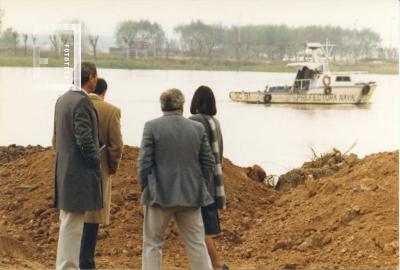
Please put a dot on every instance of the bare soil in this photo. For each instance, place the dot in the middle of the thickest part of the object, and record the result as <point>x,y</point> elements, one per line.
<point>347,218</point>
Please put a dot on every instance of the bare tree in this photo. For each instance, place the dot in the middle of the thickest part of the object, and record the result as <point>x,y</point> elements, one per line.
<point>54,42</point>
<point>33,40</point>
<point>201,37</point>
<point>93,42</point>
<point>125,34</point>
<point>64,38</point>
<point>15,37</point>
<point>147,32</point>
<point>85,33</point>
<point>25,37</point>
<point>167,48</point>
<point>213,38</point>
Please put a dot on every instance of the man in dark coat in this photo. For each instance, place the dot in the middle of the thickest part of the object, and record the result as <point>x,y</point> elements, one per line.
<point>77,173</point>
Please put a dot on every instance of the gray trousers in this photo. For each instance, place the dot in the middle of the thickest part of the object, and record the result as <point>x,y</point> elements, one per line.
<point>191,228</point>
<point>69,240</point>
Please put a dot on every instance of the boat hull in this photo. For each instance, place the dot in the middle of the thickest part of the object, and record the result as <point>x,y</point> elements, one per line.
<point>338,95</point>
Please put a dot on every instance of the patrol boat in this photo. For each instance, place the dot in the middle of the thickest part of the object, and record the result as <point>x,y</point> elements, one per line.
<point>314,84</point>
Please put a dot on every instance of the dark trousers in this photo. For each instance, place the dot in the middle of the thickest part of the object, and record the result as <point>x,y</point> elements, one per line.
<point>88,246</point>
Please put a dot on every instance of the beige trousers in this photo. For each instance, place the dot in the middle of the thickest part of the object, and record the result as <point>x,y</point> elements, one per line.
<point>191,228</point>
<point>69,240</point>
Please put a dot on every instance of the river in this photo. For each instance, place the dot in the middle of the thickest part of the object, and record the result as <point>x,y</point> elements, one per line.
<point>278,137</point>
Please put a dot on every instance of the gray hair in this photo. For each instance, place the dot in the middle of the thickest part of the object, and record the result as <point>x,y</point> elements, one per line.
<point>171,100</point>
<point>88,69</point>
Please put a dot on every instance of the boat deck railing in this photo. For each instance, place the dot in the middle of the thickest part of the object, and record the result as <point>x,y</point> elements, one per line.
<point>302,84</point>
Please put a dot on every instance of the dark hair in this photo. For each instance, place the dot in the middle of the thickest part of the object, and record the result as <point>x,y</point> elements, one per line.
<point>101,86</point>
<point>88,69</point>
<point>203,101</point>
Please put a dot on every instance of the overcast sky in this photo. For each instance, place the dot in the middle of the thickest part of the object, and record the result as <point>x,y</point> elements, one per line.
<point>102,16</point>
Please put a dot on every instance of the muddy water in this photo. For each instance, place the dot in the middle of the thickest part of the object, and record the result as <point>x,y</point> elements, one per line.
<point>278,137</point>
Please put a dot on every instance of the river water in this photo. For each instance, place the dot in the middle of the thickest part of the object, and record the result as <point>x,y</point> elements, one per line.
<point>278,137</point>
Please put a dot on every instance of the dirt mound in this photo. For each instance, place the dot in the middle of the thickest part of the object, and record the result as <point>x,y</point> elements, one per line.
<point>12,152</point>
<point>322,166</point>
<point>346,220</point>
<point>256,173</point>
<point>26,199</point>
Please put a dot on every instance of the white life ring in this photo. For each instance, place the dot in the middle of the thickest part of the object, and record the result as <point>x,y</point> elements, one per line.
<point>326,80</point>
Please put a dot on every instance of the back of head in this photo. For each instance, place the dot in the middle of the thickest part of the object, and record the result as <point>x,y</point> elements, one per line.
<point>172,100</point>
<point>101,87</point>
<point>203,101</point>
<point>88,71</point>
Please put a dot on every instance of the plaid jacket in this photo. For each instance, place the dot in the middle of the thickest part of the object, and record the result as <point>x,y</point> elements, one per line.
<point>213,130</point>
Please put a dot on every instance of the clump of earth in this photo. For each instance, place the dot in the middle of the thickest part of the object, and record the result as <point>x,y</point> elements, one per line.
<point>325,165</point>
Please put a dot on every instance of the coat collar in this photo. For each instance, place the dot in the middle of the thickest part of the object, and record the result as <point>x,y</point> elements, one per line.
<point>77,89</point>
<point>95,97</point>
<point>168,113</point>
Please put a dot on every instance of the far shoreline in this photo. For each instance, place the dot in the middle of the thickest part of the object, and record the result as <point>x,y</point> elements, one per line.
<point>197,64</point>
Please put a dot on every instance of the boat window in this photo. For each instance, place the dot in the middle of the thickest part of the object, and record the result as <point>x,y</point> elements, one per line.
<point>279,89</point>
<point>343,79</point>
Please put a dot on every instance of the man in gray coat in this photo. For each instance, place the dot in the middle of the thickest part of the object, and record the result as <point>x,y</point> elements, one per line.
<point>77,173</point>
<point>175,161</point>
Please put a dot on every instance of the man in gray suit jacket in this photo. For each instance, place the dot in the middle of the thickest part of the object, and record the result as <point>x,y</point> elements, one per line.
<point>77,173</point>
<point>175,161</point>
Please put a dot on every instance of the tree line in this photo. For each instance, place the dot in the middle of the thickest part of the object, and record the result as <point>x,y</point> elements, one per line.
<point>201,40</point>
<point>272,42</point>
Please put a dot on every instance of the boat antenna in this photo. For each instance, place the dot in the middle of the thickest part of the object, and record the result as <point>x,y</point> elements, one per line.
<point>327,49</point>
<point>305,51</point>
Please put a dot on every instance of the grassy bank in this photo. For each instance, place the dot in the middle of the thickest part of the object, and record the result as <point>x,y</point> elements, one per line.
<point>198,64</point>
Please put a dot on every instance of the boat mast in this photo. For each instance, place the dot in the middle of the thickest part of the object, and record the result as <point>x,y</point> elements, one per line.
<point>327,49</point>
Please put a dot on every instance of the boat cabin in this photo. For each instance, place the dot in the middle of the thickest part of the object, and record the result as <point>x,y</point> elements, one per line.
<point>313,75</point>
